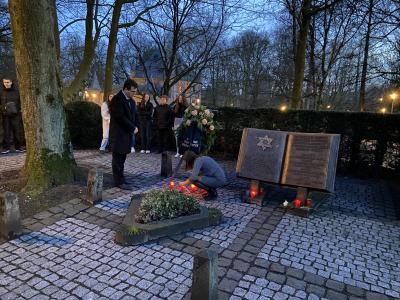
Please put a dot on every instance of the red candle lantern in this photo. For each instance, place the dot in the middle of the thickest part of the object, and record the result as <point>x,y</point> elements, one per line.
<point>171,184</point>
<point>183,188</point>
<point>253,194</point>
<point>297,203</point>
<point>193,188</point>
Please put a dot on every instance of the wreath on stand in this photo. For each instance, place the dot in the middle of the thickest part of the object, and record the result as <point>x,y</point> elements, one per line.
<point>201,119</point>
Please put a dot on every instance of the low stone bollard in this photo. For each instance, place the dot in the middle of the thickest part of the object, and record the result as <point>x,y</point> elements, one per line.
<point>205,275</point>
<point>94,191</point>
<point>166,164</point>
<point>10,216</point>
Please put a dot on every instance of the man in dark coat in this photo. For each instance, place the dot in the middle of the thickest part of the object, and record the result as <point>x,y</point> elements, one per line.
<point>124,122</point>
<point>10,107</point>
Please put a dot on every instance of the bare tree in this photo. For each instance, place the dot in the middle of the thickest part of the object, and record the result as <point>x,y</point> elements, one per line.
<point>184,34</point>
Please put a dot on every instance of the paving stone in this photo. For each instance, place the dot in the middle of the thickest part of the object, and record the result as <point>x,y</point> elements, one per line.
<point>279,278</point>
<point>375,296</point>
<point>277,268</point>
<point>227,285</point>
<point>314,279</point>
<point>299,274</point>
<point>335,295</point>
<point>356,291</point>
<point>241,266</point>
<point>317,290</point>
<point>258,272</point>
<point>335,285</point>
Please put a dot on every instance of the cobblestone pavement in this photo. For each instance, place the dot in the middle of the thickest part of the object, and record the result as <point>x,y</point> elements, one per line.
<point>348,249</point>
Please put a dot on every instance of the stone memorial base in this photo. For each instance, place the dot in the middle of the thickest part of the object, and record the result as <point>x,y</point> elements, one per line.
<point>132,233</point>
<point>304,210</point>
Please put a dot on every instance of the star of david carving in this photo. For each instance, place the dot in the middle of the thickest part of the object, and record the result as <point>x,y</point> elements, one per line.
<point>265,142</point>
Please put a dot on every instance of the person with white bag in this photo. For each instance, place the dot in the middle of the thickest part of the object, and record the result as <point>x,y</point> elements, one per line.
<point>105,115</point>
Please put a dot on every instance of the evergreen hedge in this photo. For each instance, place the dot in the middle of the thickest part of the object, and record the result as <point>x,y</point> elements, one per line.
<point>85,124</point>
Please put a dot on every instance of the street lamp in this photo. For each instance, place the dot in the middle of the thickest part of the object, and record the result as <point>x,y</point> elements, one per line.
<point>328,106</point>
<point>283,108</point>
<point>393,96</point>
<point>383,110</point>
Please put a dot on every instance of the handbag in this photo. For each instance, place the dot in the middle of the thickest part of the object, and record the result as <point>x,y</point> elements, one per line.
<point>11,108</point>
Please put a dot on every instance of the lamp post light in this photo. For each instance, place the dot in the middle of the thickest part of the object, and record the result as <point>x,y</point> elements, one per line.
<point>393,96</point>
<point>283,108</point>
<point>383,110</point>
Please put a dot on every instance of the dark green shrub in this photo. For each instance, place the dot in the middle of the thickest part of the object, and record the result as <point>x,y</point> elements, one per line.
<point>165,204</point>
<point>84,123</point>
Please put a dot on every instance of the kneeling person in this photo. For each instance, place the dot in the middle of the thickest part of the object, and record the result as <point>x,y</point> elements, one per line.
<point>206,173</point>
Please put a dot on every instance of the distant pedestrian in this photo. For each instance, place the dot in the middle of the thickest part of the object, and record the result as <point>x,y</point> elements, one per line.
<point>179,111</point>
<point>164,118</point>
<point>124,122</point>
<point>105,114</point>
<point>11,115</point>
<point>145,115</point>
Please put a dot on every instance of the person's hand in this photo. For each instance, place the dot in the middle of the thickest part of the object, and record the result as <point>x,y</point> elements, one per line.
<point>136,130</point>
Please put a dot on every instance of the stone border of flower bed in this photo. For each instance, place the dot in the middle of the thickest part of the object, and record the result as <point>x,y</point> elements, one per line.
<point>132,233</point>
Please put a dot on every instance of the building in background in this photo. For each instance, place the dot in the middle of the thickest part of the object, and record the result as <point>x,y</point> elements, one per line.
<point>153,81</point>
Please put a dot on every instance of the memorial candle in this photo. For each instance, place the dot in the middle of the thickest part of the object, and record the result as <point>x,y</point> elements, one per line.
<point>171,184</point>
<point>297,203</point>
<point>193,188</point>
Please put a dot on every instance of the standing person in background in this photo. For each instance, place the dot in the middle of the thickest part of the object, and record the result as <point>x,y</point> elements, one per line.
<point>145,115</point>
<point>179,110</point>
<point>11,113</point>
<point>164,118</point>
<point>105,114</point>
<point>124,122</point>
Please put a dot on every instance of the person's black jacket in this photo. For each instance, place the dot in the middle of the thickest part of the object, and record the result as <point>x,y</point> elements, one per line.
<point>124,120</point>
<point>179,110</point>
<point>146,112</point>
<point>9,95</point>
<point>163,117</point>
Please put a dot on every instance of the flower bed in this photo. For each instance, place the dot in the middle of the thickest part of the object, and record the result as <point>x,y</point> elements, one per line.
<point>168,204</point>
<point>179,215</point>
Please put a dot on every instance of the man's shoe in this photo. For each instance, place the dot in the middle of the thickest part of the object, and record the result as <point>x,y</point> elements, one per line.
<point>128,181</point>
<point>147,151</point>
<point>133,150</point>
<point>103,151</point>
<point>5,151</point>
<point>125,187</point>
<point>142,151</point>
<point>20,150</point>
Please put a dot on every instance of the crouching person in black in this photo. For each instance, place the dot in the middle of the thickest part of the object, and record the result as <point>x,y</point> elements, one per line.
<point>206,173</point>
<point>124,123</point>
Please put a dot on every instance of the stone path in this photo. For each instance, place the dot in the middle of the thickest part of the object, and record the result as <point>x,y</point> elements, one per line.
<point>349,249</point>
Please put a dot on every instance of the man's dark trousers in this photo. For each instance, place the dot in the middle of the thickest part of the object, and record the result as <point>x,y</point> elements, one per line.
<point>11,126</point>
<point>118,161</point>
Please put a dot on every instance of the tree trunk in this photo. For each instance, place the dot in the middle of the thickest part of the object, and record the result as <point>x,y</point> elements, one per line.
<point>49,159</point>
<point>301,54</point>
<point>55,28</point>
<point>70,93</point>
<point>112,43</point>
<point>361,103</point>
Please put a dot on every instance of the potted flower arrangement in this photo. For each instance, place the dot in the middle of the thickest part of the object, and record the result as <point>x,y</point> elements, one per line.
<point>204,120</point>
